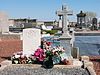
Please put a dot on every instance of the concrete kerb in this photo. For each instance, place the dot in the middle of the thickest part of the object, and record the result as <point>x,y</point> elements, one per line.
<point>88,65</point>
<point>4,64</point>
<point>55,66</point>
<point>84,58</point>
<point>2,68</point>
<point>90,69</point>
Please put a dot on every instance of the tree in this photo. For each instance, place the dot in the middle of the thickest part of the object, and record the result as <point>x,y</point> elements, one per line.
<point>90,16</point>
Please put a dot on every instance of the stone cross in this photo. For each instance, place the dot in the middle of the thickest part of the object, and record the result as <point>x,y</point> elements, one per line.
<point>64,12</point>
<point>65,39</point>
<point>31,40</point>
<point>4,24</point>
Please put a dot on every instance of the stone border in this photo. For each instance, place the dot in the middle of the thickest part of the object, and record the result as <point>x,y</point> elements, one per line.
<point>91,71</point>
<point>88,65</point>
<point>2,68</point>
<point>55,66</point>
<point>4,64</point>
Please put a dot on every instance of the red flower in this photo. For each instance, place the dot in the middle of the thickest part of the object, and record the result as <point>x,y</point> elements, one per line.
<point>45,41</point>
<point>68,63</point>
<point>54,52</point>
<point>64,60</point>
<point>49,43</point>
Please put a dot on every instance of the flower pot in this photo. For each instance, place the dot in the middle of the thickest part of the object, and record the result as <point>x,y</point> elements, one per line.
<point>48,63</point>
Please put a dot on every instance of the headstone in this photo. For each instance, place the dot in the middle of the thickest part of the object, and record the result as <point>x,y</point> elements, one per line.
<point>60,22</point>
<point>4,26</point>
<point>94,21</point>
<point>65,38</point>
<point>94,24</point>
<point>31,40</point>
<point>75,52</point>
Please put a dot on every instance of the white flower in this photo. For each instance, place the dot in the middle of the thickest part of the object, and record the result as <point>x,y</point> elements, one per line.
<point>16,61</point>
<point>30,61</point>
<point>13,57</point>
<point>17,56</point>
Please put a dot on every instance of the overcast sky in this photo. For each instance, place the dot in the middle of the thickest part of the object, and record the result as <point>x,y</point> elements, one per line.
<point>45,9</point>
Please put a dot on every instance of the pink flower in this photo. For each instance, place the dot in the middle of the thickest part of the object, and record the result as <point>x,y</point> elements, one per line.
<point>52,47</point>
<point>44,45</point>
<point>41,53</point>
<point>42,50</point>
<point>41,58</point>
<point>38,49</point>
<point>47,47</point>
<point>22,56</point>
<point>18,53</point>
<point>63,51</point>
<point>15,54</point>
<point>36,53</point>
<point>35,56</point>
<point>44,55</point>
<point>21,53</point>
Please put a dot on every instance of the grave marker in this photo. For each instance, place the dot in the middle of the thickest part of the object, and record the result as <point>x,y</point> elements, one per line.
<point>31,40</point>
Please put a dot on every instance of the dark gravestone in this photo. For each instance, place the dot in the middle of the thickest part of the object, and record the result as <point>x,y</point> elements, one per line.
<point>94,21</point>
<point>94,24</point>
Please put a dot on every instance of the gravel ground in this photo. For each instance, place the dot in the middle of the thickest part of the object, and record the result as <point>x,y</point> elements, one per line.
<point>25,70</point>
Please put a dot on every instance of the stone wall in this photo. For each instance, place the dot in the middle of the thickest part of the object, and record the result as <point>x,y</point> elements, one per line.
<point>9,37</point>
<point>87,33</point>
<point>96,62</point>
<point>8,47</point>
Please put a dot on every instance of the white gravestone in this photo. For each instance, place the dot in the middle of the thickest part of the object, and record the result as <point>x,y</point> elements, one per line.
<point>4,25</point>
<point>60,22</point>
<point>31,40</point>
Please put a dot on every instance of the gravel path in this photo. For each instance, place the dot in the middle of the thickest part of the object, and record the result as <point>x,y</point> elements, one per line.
<point>25,70</point>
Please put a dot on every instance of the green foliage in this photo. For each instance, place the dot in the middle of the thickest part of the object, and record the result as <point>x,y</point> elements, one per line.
<point>51,31</point>
<point>64,56</point>
<point>90,16</point>
<point>56,59</point>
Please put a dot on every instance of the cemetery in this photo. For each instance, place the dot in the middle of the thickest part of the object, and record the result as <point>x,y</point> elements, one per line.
<point>35,55</point>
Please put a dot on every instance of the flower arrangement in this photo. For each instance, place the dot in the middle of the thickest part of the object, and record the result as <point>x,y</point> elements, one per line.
<point>46,56</point>
<point>19,58</point>
<point>39,55</point>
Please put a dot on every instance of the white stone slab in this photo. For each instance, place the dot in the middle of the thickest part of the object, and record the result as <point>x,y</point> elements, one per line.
<point>31,40</point>
<point>78,63</point>
<point>4,25</point>
<point>60,23</point>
